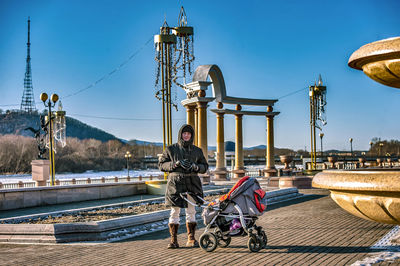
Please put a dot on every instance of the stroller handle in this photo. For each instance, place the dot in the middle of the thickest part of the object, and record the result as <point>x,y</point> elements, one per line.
<point>185,194</point>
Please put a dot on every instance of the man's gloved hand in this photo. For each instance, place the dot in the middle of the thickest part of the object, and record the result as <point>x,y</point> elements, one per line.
<point>185,164</point>
<point>177,164</point>
<point>194,167</point>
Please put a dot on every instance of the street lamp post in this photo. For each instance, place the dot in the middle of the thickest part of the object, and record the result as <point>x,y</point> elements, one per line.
<point>380,148</point>
<point>127,156</point>
<point>50,103</point>
<point>370,147</point>
<point>321,135</point>
<point>351,146</point>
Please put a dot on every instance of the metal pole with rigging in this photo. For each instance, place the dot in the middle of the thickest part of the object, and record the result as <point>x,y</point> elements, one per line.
<point>174,54</point>
<point>317,94</point>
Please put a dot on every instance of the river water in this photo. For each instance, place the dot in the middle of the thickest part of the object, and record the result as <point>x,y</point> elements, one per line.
<point>93,174</point>
<point>88,174</point>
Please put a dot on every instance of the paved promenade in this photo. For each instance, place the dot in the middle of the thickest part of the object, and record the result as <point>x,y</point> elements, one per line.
<point>311,230</point>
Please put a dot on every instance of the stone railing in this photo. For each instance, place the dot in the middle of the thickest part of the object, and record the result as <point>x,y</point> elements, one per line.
<point>249,172</point>
<point>254,172</point>
<point>80,181</point>
<point>351,165</point>
<point>102,180</point>
<point>19,184</point>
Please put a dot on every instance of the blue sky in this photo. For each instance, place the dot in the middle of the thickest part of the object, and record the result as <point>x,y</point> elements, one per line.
<point>265,49</point>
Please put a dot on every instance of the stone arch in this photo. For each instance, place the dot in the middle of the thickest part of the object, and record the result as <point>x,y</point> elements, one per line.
<point>219,89</point>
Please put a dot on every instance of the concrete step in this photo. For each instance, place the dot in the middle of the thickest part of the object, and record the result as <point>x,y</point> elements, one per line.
<point>107,230</point>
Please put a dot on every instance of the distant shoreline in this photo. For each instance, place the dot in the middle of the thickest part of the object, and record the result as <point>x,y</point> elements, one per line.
<point>84,175</point>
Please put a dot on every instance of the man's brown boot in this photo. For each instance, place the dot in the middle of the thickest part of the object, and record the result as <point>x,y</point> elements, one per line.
<point>173,230</point>
<point>191,229</point>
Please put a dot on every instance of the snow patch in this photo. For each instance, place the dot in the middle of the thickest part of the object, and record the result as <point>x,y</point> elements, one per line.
<point>391,250</point>
<point>386,256</point>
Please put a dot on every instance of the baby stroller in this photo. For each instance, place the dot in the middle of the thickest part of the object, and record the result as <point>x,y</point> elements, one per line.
<point>234,214</point>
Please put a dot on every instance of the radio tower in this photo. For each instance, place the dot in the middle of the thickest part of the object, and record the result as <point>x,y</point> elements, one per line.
<point>28,101</point>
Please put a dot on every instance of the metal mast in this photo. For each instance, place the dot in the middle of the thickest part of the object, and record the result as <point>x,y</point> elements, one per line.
<point>28,100</point>
<point>317,95</point>
<point>165,43</point>
<point>174,56</point>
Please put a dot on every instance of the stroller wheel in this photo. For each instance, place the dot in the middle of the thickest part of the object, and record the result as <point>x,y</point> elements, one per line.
<point>224,242</point>
<point>263,238</point>
<point>254,243</point>
<point>208,242</point>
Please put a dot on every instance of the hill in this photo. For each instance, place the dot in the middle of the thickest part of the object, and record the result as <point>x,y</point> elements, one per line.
<point>16,122</point>
<point>144,143</point>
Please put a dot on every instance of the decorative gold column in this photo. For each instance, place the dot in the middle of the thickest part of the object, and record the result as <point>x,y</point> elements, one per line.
<point>270,163</point>
<point>239,165</point>
<point>190,116</point>
<point>196,97</point>
<point>196,92</point>
<point>196,126</point>
<point>220,169</point>
<point>202,128</point>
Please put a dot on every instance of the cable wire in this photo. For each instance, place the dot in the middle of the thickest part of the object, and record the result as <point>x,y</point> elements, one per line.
<point>292,93</point>
<point>120,118</point>
<point>100,79</point>
<point>112,72</point>
<point>284,96</point>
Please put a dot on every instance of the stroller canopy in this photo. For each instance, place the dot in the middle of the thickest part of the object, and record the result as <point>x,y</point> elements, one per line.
<point>248,194</point>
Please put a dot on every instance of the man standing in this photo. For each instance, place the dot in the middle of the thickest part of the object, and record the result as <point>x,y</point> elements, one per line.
<point>183,161</point>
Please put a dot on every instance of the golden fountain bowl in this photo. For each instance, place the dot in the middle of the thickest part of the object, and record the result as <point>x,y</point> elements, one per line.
<point>286,158</point>
<point>380,61</point>
<point>367,193</point>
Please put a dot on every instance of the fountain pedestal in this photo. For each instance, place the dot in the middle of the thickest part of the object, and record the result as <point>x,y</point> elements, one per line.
<point>367,193</point>
<point>220,174</point>
<point>299,182</point>
<point>362,160</point>
<point>332,160</point>
<point>372,194</point>
<point>288,181</point>
<point>380,61</point>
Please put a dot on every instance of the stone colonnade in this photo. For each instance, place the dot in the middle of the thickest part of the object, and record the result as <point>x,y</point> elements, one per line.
<point>270,163</point>
<point>196,108</point>
<point>220,171</point>
<point>196,112</point>
<point>239,164</point>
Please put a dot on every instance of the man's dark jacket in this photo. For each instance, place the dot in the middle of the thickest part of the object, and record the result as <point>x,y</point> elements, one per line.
<point>180,180</point>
